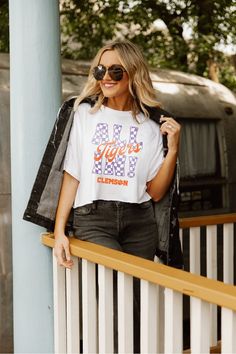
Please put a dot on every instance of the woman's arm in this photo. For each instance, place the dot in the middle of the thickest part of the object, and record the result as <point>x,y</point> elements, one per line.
<point>66,200</point>
<point>160,184</point>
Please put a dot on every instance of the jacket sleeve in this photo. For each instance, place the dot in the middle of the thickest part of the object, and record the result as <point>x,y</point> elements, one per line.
<point>42,204</point>
<point>166,210</point>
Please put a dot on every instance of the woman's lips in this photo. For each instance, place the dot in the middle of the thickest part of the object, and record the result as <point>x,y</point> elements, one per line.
<point>108,84</point>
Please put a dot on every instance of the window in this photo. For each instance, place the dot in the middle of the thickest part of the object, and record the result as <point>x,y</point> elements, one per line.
<point>201,182</point>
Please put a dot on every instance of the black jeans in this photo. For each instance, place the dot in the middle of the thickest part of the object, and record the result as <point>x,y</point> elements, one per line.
<point>126,227</point>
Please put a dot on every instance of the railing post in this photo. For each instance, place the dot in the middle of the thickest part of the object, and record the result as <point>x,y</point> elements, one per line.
<point>105,314</point>
<point>212,273</point>
<point>73,310</point>
<point>59,306</point>
<point>228,253</point>
<point>89,301</point>
<point>125,313</point>
<point>228,337</point>
<point>173,322</point>
<point>150,319</point>
<point>194,253</point>
<point>200,326</point>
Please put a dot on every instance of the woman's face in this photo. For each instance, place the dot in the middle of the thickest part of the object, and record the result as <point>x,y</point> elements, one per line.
<point>109,87</point>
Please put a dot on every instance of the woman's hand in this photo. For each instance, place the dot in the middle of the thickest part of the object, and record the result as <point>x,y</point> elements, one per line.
<point>66,199</point>
<point>172,129</point>
<point>62,251</point>
<point>160,184</point>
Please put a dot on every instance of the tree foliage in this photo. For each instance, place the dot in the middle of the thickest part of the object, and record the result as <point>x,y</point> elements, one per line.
<point>87,25</point>
<point>4,27</point>
<point>157,26</point>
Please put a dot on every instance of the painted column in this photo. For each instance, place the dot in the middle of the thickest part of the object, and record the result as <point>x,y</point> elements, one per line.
<point>35,99</point>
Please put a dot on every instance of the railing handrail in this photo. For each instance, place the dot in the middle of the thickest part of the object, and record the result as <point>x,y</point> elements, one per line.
<point>205,220</point>
<point>209,290</point>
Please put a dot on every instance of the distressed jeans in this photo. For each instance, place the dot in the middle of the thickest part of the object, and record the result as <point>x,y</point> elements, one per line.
<point>127,227</point>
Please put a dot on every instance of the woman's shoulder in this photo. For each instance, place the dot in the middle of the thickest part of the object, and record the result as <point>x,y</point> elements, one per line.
<point>85,105</point>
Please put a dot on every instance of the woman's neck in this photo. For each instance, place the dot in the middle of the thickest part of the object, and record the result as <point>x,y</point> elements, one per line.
<point>119,104</point>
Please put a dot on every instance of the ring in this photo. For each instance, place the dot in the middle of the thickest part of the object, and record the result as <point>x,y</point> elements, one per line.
<point>169,126</point>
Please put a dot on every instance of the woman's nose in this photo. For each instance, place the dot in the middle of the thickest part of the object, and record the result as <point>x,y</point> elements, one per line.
<point>106,76</point>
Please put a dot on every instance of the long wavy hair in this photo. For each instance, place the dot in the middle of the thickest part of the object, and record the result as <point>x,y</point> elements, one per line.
<point>140,84</point>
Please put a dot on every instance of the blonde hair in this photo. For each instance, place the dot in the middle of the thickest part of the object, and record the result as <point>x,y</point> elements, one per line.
<point>140,84</point>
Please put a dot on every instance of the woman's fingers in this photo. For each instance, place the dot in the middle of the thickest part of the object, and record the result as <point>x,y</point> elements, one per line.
<point>67,253</point>
<point>62,253</point>
<point>172,129</point>
<point>68,261</point>
<point>169,125</point>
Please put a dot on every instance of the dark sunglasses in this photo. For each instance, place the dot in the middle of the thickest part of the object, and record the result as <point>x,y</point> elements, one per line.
<point>115,72</point>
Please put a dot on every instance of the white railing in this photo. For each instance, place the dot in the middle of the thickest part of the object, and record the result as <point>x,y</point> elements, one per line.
<point>196,252</point>
<point>215,262</point>
<point>161,290</point>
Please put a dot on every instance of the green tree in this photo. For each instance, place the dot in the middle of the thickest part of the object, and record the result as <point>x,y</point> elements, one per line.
<point>87,25</point>
<point>4,28</point>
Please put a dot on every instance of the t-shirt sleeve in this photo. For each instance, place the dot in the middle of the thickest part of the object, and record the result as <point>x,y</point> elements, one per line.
<point>156,156</point>
<point>72,160</point>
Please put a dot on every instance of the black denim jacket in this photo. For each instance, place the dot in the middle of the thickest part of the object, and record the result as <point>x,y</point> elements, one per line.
<point>42,205</point>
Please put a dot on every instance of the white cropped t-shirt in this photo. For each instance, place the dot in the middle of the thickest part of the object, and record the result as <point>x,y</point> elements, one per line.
<point>112,155</point>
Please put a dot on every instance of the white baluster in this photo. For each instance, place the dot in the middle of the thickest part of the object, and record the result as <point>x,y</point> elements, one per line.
<point>194,250</point>
<point>161,344</point>
<point>72,293</point>
<point>173,321</point>
<point>228,253</point>
<point>59,297</point>
<point>228,329</point>
<point>125,313</point>
<point>149,317</point>
<point>212,273</point>
<point>89,307</point>
<point>105,283</point>
<point>200,326</point>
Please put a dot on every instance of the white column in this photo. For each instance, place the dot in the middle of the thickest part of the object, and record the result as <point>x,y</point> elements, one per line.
<point>35,99</point>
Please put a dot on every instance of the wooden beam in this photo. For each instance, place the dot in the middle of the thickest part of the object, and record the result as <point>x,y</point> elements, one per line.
<point>207,220</point>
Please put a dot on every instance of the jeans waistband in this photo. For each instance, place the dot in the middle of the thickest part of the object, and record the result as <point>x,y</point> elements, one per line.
<point>112,203</point>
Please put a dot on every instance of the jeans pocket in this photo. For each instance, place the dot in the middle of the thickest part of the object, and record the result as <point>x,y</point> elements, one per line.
<point>145,205</point>
<point>83,210</point>
<point>81,214</point>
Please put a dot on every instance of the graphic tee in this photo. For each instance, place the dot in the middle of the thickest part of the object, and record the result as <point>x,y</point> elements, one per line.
<point>112,155</point>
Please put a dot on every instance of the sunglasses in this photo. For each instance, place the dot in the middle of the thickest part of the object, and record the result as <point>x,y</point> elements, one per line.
<point>115,72</point>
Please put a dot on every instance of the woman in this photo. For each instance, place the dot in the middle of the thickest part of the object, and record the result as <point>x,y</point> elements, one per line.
<point>114,165</point>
